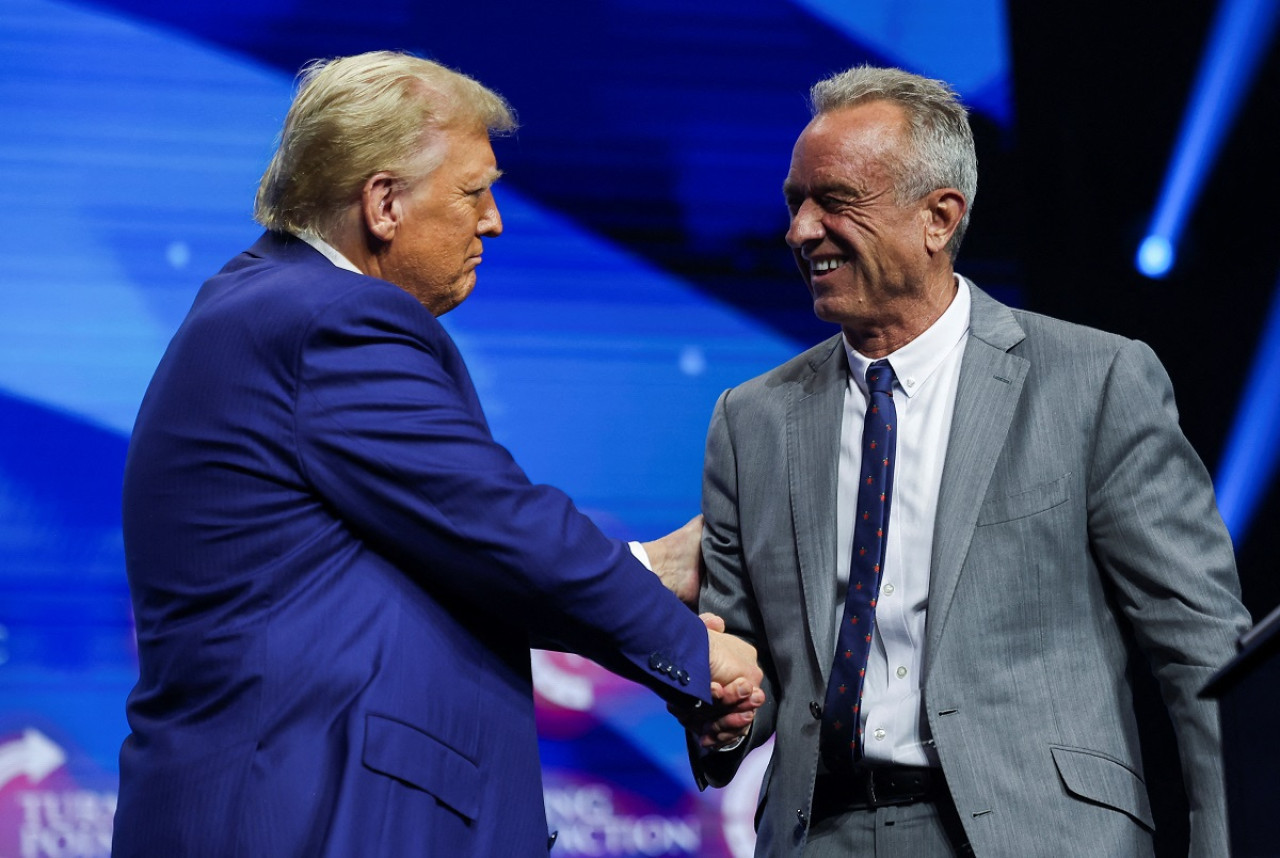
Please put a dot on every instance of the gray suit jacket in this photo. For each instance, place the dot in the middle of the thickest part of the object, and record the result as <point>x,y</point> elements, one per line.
<point>1075,524</point>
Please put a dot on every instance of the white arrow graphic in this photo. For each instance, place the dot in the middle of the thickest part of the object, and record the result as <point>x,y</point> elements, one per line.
<point>34,755</point>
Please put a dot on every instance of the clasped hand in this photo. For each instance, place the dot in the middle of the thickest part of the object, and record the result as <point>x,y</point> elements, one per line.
<point>735,690</point>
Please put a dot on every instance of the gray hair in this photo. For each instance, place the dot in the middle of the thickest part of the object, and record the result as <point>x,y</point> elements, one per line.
<point>941,154</point>
<point>356,116</point>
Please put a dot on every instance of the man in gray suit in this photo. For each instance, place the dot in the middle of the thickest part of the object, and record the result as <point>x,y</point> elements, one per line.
<point>1046,518</point>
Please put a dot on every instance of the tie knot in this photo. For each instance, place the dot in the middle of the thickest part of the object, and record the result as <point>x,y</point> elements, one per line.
<point>880,377</point>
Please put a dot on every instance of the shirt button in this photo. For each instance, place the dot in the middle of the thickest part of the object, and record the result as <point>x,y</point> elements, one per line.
<point>879,734</point>
<point>902,671</point>
<point>888,589</point>
<point>910,382</point>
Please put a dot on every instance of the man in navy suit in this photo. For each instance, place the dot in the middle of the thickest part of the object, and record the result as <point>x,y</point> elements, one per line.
<point>336,572</point>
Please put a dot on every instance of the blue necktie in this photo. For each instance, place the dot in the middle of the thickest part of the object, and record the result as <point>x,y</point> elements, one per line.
<point>841,736</point>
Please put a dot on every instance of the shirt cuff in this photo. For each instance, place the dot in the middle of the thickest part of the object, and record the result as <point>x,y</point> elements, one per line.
<point>733,746</point>
<point>640,554</point>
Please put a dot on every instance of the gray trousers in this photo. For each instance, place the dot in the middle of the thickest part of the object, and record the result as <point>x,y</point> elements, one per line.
<point>920,830</point>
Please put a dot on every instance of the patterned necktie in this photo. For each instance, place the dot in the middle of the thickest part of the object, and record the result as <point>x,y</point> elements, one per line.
<point>841,735</point>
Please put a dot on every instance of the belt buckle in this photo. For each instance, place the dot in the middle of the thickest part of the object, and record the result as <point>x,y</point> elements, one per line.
<point>869,781</point>
<point>888,794</point>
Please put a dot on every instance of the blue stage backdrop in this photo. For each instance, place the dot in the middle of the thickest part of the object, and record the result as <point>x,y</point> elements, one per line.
<point>643,226</point>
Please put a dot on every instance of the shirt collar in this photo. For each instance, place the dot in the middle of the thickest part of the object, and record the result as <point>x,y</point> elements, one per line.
<point>915,362</point>
<point>329,252</point>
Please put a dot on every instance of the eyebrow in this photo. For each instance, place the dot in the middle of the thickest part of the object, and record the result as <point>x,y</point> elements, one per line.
<point>489,179</point>
<point>791,191</point>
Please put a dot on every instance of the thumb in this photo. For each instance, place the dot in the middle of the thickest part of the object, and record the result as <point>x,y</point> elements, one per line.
<point>712,622</point>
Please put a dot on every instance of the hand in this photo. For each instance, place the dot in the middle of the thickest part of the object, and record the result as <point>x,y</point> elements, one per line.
<point>729,717</point>
<point>677,560</point>
<point>731,657</point>
<point>735,690</point>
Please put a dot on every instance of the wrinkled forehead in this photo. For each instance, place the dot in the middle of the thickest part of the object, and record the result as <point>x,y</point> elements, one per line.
<point>856,146</point>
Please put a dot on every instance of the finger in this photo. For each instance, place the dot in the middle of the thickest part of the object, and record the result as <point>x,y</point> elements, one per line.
<point>712,622</point>
<point>734,722</point>
<point>732,694</point>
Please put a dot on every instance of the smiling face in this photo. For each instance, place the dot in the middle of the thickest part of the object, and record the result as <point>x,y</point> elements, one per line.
<point>441,220</point>
<point>872,265</point>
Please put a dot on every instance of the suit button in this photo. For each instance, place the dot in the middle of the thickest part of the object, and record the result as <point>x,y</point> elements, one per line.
<point>682,676</point>
<point>815,709</point>
<point>800,817</point>
<point>657,662</point>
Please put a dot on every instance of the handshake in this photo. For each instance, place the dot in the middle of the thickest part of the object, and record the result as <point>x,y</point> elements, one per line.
<point>735,672</point>
<point>735,691</point>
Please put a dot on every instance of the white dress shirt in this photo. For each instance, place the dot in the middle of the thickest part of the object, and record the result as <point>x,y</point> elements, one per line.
<point>924,396</point>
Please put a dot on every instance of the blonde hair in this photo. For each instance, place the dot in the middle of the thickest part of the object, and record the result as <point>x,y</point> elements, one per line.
<point>356,116</point>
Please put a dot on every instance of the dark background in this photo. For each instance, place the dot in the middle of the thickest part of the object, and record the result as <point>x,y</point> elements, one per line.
<point>1100,92</point>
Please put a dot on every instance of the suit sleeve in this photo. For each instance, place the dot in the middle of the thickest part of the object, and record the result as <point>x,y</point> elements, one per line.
<point>727,591</point>
<point>390,434</point>
<point>1157,534</point>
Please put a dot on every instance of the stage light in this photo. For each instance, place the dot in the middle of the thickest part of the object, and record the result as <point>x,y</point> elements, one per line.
<point>1155,256</point>
<point>1250,455</point>
<point>1236,43</point>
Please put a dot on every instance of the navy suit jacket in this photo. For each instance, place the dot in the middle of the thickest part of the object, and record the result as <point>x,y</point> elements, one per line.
<point>336,574</point>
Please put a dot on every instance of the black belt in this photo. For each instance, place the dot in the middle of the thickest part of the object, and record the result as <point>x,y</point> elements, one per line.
<point>868,787</point>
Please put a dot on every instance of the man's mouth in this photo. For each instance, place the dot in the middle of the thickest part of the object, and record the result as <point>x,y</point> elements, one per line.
<point>822,266</point>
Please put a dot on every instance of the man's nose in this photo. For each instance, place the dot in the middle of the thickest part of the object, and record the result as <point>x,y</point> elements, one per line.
<point>491,221</point>
<point>806,225</point>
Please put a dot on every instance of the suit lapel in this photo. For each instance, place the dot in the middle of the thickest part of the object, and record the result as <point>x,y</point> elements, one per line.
<point>814,414</point>
<point>990,386</point>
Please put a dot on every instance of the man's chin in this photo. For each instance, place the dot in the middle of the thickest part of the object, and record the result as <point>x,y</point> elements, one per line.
<point>828,313</point>
<point>456,296</point>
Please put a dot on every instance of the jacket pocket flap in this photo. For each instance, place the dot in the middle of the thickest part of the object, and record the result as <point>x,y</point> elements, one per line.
<point>1100,779</point>
<point>1027,502</point>
<point>423,761</point>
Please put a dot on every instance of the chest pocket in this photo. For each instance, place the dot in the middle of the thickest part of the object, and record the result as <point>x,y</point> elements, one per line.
<point>1038,498</point>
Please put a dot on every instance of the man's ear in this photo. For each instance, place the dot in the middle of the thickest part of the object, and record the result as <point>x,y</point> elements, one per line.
<point>380,205</point>
<point>945,208</point>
